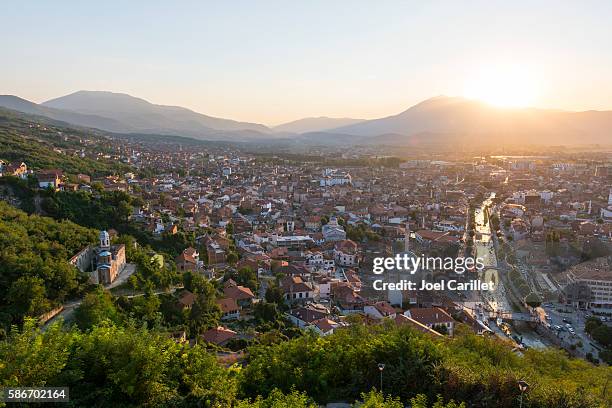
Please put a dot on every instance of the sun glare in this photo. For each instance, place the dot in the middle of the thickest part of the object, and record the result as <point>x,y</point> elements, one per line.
<point>506,86</point>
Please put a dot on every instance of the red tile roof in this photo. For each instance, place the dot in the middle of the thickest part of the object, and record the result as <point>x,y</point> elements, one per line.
<point>218,335</point>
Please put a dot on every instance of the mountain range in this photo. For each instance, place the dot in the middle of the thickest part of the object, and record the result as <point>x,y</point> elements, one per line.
<point>440,119</point>
<point>320,124</point>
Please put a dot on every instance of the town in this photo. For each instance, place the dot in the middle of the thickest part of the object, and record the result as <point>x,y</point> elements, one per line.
<point>253,242</point>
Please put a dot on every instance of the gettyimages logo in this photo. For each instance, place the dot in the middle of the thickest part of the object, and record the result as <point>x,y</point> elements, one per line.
<point>411,264</point>
<point>407,266</point>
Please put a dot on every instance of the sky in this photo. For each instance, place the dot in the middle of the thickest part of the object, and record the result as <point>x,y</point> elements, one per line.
<point>275,61</point>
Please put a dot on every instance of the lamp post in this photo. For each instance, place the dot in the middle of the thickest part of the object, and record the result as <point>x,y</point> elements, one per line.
<point>523,387</point>
<point>381,367</point>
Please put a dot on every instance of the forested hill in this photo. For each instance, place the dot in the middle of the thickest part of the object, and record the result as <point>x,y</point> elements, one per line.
<point>35,275</point>
<point>43,144</point>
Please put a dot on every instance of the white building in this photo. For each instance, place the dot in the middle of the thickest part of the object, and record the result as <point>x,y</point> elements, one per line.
<point>346,254</point>
<point>334,177</point>
<point>448,225</point>
<point>590,284</point>
<point>332,231</point>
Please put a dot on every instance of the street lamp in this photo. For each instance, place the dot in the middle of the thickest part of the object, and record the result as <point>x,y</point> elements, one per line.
<point>523,387</point>
<point>381,367</point>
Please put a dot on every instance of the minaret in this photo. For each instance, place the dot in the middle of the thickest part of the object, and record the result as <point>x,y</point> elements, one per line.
<point>407,238</point>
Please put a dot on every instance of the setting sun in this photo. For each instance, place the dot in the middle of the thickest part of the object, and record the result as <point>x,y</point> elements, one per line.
<point>507,86</point>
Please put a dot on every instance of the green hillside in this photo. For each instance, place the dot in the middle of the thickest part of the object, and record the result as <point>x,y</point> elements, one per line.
<point>34,272</point>
<point>42,143</point>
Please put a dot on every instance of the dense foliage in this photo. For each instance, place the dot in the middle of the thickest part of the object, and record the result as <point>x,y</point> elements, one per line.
<point>34,271</point>
<point>42,145</point>
<point>470,368</point>
<point>116,366</point>
<point>100,210</point>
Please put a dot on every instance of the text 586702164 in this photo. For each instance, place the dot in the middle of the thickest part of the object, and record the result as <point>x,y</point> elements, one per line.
<point>34,394</point>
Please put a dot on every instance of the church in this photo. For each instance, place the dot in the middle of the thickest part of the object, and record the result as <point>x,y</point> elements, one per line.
<point>110,260</point>
<point>103,263</point>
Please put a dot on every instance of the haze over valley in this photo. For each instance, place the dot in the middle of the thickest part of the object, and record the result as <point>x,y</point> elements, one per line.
<point>438,120</point>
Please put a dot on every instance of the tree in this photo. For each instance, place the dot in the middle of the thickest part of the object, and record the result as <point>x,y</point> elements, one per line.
<point>205,313</point>
<point>274,294</point>
<point>533,300</point>
<point>603,335</point>
<point>146,308</point>
<point>376,399</point>
<point>276,399</point>
<point>420,401</point>
<point>96,307</point>
<point>31,358</point>
<point>265,312</point>
<point>207,382</point>
<point>591,324</point>
<point>245,276</point>
<point>26,297</point>
<point>232,258</point>
<point>34,271</point>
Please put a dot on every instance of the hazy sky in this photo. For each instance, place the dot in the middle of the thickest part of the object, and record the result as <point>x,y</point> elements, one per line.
<point>274,61</point>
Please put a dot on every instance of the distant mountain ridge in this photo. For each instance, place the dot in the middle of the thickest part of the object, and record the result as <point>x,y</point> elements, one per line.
<point>143,116</point>
<point>451,118</point>
<point>436,120</point>
<point>317,124</point>
<point>22,105</point>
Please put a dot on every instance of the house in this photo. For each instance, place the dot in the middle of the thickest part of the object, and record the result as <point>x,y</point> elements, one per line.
<point>432,317</point>
<point>325,326</point>
<point>380,310</point>
<point>306,315</point>
<point>295,289</point>
<point>84,178</point>
<point>401,320</point>
<point>219,336</point>
<point>313,223</point>
<point>346,253</point>
<point>518,229</point>
<point>215,254</point>
<point>49,179</point>
<point>15,169</point>
<point>435,238</point>
<point>186,299</point>
<point>187,260</point>
<point>346,297</point>
<point>243,296</point>
<point>229,308</point>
